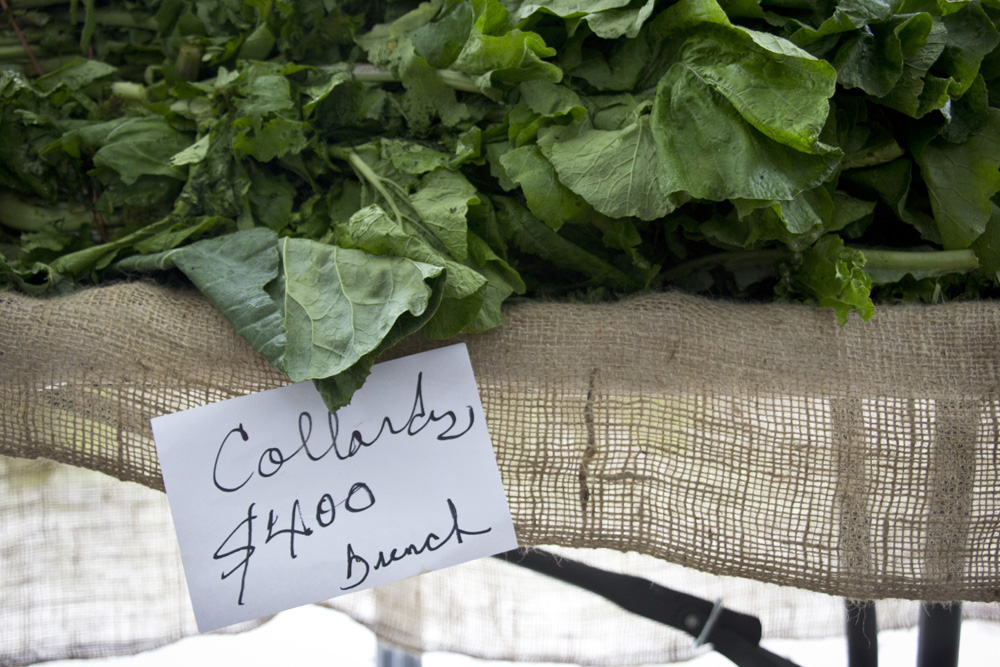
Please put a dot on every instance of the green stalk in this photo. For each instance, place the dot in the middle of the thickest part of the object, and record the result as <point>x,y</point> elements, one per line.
<point>937,261</point>
<point>15,53</point>
<point>129,91</point>
<point>35,216</point>
<point>915,261</point>
<point>113,18</point>
<point>368,175</point>
<point>188,62</point>
<point>24,66</point>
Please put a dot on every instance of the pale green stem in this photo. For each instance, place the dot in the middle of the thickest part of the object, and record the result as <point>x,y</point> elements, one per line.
<point>372,74</point>
<point>374,179</point>
<point>943,261</point>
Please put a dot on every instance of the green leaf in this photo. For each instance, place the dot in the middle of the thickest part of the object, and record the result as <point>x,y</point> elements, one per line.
<point>621,22</point>
<point>611,170</point>
<point>893,184</point>
<point>440,41</point>
<point>962,180</point>
<point>972,34</point>
<point>233,272</point>
<point>268,121</point>
<point>917,92</point>
<point>427,96</point>
<point>544,193</point>
<point>442,202</point>
<point>411,157</point>
<point>499,55</point>
<point>339,304</point>
<point>796,223</point>
<point>372,230</point>
<point>131,147</point>
<point>75,75</point>
<point>313,310</point>
<point>987,246</point>
<point>833,276</point>
<point>873,59</point>
<point>609,19</point>
<point>532,236</point>
<point>738,115</point>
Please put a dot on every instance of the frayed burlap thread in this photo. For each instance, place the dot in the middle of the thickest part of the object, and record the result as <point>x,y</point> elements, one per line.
<point>758,441</point>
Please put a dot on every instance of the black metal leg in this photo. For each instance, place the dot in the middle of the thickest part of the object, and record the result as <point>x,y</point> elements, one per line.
<point>392,656</point>
<point>939,634</point>
<point>862,634</point>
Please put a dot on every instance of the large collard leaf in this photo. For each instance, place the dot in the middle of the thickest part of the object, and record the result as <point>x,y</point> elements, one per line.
<point>917,92</point>
<point>527,168</point>
<point>612,170</point>
<point>609,19</point>
<point>497,54</point>
<point>371,229</point>
<point>233,272</point>
<point>962,180</point>
<point>443,202</point>
<point>738,114</point>
<point>315,311</point>
<point>339,304</point>
<point>970,35</point>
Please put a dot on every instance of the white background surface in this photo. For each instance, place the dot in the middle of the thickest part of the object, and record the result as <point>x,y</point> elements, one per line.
<point>314,636</point>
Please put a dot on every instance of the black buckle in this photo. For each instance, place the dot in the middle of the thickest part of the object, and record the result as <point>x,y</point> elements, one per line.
<point>732,634</point>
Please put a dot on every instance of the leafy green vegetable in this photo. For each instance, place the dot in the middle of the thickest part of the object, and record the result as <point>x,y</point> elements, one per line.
<point>337,175</point>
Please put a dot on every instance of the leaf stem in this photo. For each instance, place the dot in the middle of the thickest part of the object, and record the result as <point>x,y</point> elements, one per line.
<point>942,261</point>
<point>113,18</point>
<point>933,261</point>
<point>370,176</point>
<point>372,74</point>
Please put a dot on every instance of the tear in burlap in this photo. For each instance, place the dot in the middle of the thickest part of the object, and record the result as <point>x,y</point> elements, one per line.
<point>759,442</point>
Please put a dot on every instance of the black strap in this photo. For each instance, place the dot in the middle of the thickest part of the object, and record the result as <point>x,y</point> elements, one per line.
<point>734,635</point>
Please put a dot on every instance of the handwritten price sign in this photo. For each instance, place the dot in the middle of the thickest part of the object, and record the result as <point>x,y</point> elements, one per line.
<point>278,503</point>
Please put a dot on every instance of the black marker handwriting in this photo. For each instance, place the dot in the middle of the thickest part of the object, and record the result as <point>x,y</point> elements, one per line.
<point>273,458</point>
<point>247,551</point>
<point>358,499</point>
<point>431,543</point>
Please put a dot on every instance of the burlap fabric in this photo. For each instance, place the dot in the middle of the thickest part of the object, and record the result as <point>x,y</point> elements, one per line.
<point>759,442</point>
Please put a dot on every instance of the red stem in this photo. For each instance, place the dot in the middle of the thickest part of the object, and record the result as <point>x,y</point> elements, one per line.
<point>20,37</point>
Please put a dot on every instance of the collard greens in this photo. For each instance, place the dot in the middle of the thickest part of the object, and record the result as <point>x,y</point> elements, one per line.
<point>335,176</point>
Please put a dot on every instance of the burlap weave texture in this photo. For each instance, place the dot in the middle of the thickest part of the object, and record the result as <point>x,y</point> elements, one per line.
<point>757,441</point>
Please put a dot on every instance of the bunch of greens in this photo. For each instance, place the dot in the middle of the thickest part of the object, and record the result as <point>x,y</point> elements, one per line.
<point>334,176</point>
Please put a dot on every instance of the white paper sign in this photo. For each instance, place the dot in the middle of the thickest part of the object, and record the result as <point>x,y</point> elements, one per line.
<point>279,503</point>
